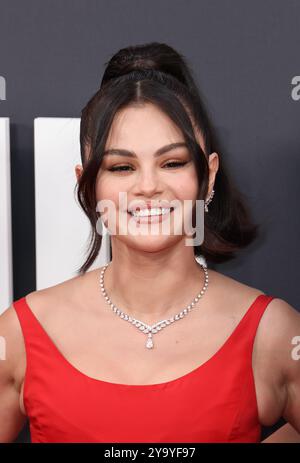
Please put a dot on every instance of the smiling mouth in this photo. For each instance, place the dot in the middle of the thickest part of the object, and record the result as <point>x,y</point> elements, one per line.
<point>153,218</point>
<point>155,212</point>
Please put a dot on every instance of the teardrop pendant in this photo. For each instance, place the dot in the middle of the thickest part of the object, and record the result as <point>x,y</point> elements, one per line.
<point>149,342</point>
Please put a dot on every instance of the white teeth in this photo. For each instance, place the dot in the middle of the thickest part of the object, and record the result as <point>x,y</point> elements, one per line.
<point>150,212</point>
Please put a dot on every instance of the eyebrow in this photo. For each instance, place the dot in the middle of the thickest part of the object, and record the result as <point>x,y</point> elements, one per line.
<point>131,154</point>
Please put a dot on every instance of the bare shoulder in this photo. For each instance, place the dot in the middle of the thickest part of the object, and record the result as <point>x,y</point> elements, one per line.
<point>225,282</point>
<point>279,322</point>
<point>11,418</point>
<point>279,332</point>
<point>230,293</point>
<point>11,334</point>
<point>52,306</point>
<point>279,326</point>
<point>63,297</point>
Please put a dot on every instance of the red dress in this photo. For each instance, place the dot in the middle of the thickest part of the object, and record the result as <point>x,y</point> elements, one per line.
<point>215,402</point>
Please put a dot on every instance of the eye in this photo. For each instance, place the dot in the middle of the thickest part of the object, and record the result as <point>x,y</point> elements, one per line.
<point>176,164</point>
<point>124,168</point>
<point>118,168</point>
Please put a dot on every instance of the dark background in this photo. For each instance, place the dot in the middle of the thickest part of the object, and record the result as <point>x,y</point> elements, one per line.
<point>244,55</point>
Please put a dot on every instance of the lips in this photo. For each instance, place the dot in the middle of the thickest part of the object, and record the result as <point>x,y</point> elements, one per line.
<point>144,219</point>
<point>131,212</point>
<point>149,205</point>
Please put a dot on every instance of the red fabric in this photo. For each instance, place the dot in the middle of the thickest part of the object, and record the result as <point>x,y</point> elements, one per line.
<point>216,402</point>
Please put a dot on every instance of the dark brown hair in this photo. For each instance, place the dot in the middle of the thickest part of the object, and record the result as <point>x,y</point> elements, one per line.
<point>156,73</point>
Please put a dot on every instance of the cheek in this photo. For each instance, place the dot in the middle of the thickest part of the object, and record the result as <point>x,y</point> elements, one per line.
<point>106,189</point>
<point>186,185</point>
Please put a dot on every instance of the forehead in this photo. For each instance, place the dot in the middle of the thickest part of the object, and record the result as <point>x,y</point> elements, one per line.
<point>142,129</point>
<point>142,125</point>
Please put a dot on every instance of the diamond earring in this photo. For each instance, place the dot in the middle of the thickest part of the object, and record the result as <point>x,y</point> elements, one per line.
<point>207,201</point>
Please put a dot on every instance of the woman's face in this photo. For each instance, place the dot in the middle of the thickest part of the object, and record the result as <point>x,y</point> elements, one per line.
<point>146,176</point>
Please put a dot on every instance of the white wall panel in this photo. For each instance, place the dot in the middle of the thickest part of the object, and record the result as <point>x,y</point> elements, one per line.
<point>6,285</point>
<point>62,229</point>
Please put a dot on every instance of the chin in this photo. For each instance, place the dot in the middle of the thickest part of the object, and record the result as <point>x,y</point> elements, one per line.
<point>151,243</point>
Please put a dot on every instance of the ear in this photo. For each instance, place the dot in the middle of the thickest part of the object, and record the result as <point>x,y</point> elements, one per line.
<point>213,169</point>
<point>78,171</point>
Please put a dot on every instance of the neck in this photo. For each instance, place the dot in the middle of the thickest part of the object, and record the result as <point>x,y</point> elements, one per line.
<point>151,287</point>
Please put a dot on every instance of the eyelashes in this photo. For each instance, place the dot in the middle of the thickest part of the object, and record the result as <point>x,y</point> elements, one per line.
<point>124,167</point>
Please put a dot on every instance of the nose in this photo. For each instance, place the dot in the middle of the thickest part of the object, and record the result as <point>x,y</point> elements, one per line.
<point>147,183</point>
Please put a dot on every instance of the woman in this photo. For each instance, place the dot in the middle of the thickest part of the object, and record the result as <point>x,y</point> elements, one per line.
<point>153,347</point>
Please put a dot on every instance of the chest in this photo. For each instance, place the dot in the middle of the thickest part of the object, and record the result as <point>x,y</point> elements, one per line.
<point>115,351</point>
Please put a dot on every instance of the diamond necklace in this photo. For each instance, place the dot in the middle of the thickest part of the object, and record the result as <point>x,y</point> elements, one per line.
<point>152,329</point>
